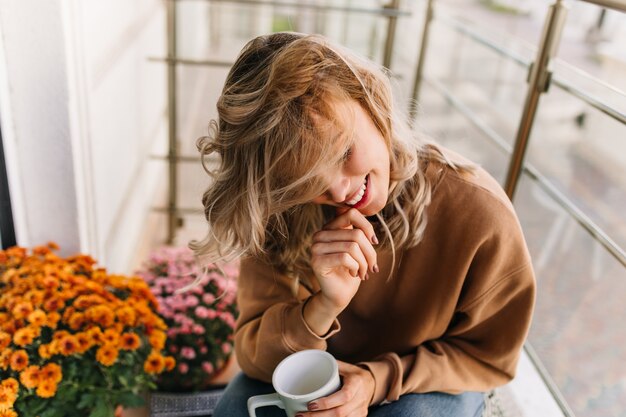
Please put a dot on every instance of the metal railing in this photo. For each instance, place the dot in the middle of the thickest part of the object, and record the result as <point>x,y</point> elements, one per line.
<point>391,11</point>
<point>539,80</point>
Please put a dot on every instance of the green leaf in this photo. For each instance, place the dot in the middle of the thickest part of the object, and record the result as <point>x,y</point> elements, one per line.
<point>130,400</point>
<point>102,409</point>
<point>87,400</point>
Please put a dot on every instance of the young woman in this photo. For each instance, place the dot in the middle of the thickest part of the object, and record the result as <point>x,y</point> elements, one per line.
<point>402,259</point>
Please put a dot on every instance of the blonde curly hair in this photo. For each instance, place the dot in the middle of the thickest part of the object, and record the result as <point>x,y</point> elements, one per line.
<point>273,154</point>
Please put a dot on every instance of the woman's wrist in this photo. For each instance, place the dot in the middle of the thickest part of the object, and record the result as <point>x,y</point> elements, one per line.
<point>319,314</point>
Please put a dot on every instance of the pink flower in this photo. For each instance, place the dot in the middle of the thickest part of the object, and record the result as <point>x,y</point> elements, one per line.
<point>187,352</point>
<point>226,348</point>
<point>191,301</point>
<point>183,368</point>
<point>197,329</point>
<point>228,318</point>
<point>208,298</point>
<point>203,350</point>
<point>207,367</point>
<point>202,312</point>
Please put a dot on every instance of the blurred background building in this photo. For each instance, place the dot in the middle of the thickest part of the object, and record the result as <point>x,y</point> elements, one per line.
<point>101,103</point>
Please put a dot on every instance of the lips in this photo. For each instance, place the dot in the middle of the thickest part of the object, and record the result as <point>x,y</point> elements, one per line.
<point>359,198</point>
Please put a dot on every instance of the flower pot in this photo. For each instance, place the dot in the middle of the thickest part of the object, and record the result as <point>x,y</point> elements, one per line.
<point>132,412</point>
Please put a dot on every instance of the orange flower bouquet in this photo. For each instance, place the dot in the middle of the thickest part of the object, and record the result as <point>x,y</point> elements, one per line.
<point>74,340</point>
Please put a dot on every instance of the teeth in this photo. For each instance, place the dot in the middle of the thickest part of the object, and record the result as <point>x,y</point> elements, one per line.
<point>359,196</point>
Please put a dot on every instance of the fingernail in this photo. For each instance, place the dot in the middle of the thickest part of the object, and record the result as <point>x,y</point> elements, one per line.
<point>367,277</point>
<point>376,269</point>
<point>299,415</point>
<point>374,240</point>
<point>313,406</point>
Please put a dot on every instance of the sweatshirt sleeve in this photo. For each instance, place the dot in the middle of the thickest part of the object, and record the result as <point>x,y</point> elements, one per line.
<point>271,325</point>
<point>479,351</point>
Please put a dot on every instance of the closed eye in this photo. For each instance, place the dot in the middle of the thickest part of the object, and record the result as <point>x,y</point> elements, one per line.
<point>346,155</point>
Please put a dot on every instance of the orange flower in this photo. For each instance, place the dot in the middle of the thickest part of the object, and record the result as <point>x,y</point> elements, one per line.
<point>37,318</point>
<point>85,342</point>
<point>5,340</point>
<point>53,319</point>
<point>22,310</point>
<point>5,358</point>
<point>85,301</point>
<point>24,336</point>
<point>126,315</point>
<point>46,389</point>
<point>8,413</point>
<point>130,341</point>
<point>53,304</point>
<point>95,333</point>
<point>60,335</point>
<point>154,364</point>
<point>51,372</point>
<point>45,351</point>
<point>101,315</point>
<point>35,297</point>
<point>11,384</point>
<point>107,355</point>
<point>19,360</point>
<point>30,377</point>
<point>68,345</point>
<point>76,321</point>
<point>157,339</point>
<point>7,398</point>
<point>170,363</point>
<point>111,337</point>
<point>41,250</point>
<point>140,289</point>
<point>51,282</point>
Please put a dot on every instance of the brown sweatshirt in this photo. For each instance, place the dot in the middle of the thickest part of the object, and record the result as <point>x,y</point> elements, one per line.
<point>453,317</point>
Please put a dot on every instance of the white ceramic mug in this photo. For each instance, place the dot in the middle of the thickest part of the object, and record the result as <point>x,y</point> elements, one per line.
<point>299,379</point>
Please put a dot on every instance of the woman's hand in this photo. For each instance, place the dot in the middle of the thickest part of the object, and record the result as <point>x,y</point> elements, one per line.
<point>352,400</point>
<point>342,256</point>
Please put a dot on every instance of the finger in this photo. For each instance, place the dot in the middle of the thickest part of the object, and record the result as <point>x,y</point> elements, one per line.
<point>350,247</point>
<point>355,235</point>
<point>353,217</point>
<point>342,398</point>
<point>344,367</point>
<point>334,261</point>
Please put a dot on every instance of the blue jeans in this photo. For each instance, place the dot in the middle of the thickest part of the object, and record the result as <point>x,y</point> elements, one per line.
<point>435,404</point>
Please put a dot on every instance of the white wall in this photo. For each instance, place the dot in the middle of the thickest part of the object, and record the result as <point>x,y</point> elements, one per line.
<point>85,110</point>
<point>35,123</point>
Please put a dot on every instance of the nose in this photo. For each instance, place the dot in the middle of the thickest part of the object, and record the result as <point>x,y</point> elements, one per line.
<point>339,189</point>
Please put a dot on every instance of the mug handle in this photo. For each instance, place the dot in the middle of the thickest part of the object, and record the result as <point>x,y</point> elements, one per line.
<point>263,401</point>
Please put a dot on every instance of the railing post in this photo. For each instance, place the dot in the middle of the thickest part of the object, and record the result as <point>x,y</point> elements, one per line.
<point>172,214</point>
<point>417,83</point>
<point>391,33</point>
<point>538,83</point>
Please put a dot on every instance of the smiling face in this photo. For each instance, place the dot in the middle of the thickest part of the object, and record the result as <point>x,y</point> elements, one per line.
<point>362,180</point>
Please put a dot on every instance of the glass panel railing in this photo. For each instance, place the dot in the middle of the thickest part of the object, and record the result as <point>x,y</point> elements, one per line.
<point>582,152</point>
<point>576,153</point>
<point>578,328</point>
